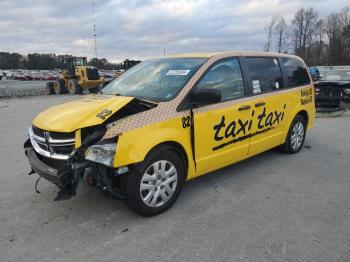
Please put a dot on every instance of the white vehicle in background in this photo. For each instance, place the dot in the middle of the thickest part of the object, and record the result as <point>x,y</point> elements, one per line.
<point>7,74</point>
<point>37,76</point>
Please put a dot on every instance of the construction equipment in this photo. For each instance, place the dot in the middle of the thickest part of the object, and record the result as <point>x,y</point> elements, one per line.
<point>76,76</point>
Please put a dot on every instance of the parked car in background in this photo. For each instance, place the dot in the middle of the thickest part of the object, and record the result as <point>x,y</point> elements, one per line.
<point>315,73</point>
<point>333,91</point>
<point>28,75</point>
<point>37,76</point>
<point>19,76</point>
<point>7,74</point>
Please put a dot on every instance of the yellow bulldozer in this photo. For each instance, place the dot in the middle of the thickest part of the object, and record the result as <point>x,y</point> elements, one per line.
<point>76,76</point>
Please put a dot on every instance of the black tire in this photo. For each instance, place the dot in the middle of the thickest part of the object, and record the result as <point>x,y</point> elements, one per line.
<point>49,90</point>
<point>59,86</point>
<point>94,90</point>
<point>73,86</point>
<point>287,147</point>
<point>134,179</point>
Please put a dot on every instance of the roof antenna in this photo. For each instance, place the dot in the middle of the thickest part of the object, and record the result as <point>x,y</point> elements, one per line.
<point>94,27</point>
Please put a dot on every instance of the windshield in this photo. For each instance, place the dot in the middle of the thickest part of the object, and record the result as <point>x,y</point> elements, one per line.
<point>80,61</point>
<point>155,80</point>
<point>343,75</point>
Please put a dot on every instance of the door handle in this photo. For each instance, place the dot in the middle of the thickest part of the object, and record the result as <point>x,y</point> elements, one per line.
<point>245,107</point>
<point>259,104</point>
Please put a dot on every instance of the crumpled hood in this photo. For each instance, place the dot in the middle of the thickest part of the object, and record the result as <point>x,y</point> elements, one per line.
<point>88,111</point>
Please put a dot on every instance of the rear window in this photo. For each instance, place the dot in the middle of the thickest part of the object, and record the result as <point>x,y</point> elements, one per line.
<point>265,74</point>
<point>296,72</point>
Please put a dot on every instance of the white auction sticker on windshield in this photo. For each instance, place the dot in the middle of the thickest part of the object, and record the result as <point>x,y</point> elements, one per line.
<point>178,72</point>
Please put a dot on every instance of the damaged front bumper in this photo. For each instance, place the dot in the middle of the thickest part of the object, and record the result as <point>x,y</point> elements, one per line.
<point>74,173</point>
<point>60,177</point>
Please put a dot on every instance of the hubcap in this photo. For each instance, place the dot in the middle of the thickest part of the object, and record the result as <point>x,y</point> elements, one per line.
<point>158,183</point>
<point>297,136</point>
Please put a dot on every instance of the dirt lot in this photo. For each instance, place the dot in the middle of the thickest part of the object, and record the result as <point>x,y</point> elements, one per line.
<point>272,207</point>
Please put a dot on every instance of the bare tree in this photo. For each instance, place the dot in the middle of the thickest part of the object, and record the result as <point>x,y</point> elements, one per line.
<point>333,32</point>
<point>344,19</point>
<point>280,31</point>
<point>318,41</point>
<point>303,30</point>
<point>269,31</point>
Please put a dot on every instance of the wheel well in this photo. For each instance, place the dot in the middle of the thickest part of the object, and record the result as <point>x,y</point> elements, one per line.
<point>304,114</point>
<point>177,148</point>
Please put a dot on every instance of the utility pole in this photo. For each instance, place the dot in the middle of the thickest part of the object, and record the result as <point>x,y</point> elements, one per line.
<point>164,52</point>
<point>94,26</point>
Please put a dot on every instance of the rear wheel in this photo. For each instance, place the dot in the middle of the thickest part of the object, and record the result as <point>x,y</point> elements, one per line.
<point>73,87</point>
<point>296,136</point>
<point>59,86</point>
<point>154,185</point>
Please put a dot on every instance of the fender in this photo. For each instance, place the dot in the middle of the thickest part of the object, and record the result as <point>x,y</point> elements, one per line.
<point>132,146</point>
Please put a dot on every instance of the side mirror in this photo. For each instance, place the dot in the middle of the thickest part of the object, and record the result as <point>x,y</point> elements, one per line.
<point>205,96</point>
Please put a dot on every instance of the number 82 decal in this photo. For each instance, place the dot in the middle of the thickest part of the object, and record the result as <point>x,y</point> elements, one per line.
<point>186,121</point>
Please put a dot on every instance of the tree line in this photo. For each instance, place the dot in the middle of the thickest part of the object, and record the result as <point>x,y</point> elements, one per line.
<point>53,61</point>
<point>318,40</point>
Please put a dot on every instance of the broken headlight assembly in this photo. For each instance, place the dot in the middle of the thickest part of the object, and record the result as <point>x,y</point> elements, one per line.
<point>102,152</point>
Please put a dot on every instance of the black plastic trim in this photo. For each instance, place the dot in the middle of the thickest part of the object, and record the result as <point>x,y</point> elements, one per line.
<point>59,177</point>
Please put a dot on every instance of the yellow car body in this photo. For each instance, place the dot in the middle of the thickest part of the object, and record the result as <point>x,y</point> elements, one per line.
<point>210,136</point>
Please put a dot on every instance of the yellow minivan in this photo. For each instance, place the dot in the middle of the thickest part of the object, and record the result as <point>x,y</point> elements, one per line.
<point>171,119</point>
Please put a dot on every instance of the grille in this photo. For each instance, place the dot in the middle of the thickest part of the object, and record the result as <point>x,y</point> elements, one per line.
<point>58,145</point>
<point>328,96</point>
<point>38,131</point>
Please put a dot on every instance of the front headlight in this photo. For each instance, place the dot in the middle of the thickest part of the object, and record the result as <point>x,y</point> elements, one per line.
<point>102,152</point>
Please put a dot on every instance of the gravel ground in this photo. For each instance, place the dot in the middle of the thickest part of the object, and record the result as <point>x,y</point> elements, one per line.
<point>272,207</point>
<point>16,88</point>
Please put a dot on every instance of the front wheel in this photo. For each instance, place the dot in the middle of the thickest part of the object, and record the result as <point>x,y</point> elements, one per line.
<point>154,185</point>
<point>296,136</point>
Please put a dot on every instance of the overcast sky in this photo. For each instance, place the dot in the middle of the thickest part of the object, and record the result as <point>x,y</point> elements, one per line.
<point>143,28</point>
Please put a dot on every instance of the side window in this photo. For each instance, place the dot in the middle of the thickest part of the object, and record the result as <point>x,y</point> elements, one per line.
<point>296,72</point>
<point>227,77</point>
<point>265,74</point>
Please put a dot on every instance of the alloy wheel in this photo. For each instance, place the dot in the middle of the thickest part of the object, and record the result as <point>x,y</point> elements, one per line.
<point>297,136</point>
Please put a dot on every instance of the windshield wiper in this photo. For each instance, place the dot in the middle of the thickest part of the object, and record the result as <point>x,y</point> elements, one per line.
<point>147,103</point>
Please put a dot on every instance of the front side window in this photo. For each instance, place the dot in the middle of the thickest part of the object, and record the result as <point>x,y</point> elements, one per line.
<point>225,76</point>
<point>265,74</point>
<point>296,72</point>
<point>155,80</point>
